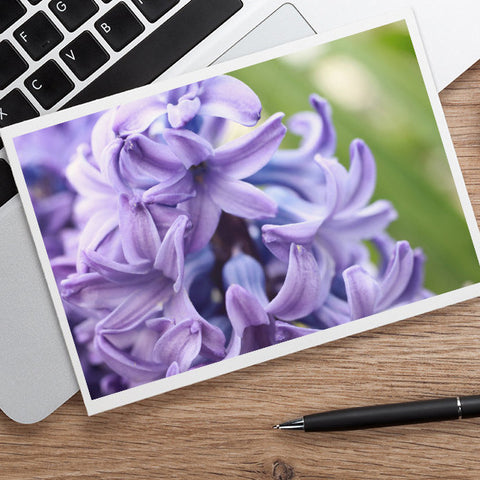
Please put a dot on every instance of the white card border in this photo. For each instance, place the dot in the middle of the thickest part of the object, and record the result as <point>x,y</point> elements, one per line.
<point>226,366</point>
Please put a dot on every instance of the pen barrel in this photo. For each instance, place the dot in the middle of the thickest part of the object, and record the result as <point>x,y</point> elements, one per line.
<point>470,406</point>
<point>393,414</point>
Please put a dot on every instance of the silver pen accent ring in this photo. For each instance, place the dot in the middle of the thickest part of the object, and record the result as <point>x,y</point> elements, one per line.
<point>459,406</point>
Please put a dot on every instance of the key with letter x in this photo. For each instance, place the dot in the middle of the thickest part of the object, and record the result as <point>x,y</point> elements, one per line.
<point>14,108</point>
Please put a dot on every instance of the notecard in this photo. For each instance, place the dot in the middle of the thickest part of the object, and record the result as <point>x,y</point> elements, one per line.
<point>220,219</point>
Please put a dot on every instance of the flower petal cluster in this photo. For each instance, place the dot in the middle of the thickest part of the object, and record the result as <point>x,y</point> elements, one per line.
<point>176,243</point>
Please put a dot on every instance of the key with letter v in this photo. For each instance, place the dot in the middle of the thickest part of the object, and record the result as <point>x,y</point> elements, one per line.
<point>84,55</point>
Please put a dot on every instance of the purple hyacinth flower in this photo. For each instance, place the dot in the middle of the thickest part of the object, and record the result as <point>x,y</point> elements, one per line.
<point>345,217</point>
<point>98,207</point>
<point>121,297</point>
<point>188,166</point>
<point>222,96</point>
<point>150,263</point>
<point>188,335</point>
<point>401,283</point>
<point>216,177</point>
<point>296,169</point>
<point>166,345</point>
<point>258,323</point>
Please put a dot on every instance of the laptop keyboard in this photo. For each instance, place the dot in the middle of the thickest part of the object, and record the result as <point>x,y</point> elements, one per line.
<point>60,53</point>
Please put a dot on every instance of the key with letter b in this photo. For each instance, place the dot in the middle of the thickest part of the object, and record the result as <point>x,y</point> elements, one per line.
<point>119,26</point>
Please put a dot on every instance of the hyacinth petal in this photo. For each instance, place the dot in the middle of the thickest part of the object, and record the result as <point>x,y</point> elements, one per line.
<point>99,226</point>
<point>305,178</point>
<point>184,111</point>
<point>114,271</point>
<point>244,310</point>
<point>309,126</point>
<point>110,166</point>
<point>228,97</point>
<point>245,271</point>
<point>143,342</point>
<point>414,289</point>
<point>213,129</point>
<point>132,310</point>
<point>204,215</point>
<point>299,293</point>
<point>335,180</point>
<point>171,254</point>
<point>171,195</point>
<point>160,325</point>
<point>140,239</point>
<point>365,223</point>
<point>173,369</point>
<point>279,238</point>
<point>180,344</point>
<point>190,148</point>
<point>328,140</point>
<point>317,132</point>
<point>286,331</point>
<point>334,311</point>
<point>397,275</point>
<point>213,341</point>
<point>163,217</point>
<point>180,308</point>
<point>292,208</point>
<point>92,291</point>
<point>141,156</point>
<point>239,198</point>
<point>136,117</point>
<point>84,177</point>
<point>385,246</point>
<point>362,292</point>
<point>326,271</point>
<point>103,133</point>
<point>127,365</point>
<point>234,347</point>
<point>362,176</point>
<point>246,155</point>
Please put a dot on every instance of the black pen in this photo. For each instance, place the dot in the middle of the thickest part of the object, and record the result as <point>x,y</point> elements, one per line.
<point>387,415</point>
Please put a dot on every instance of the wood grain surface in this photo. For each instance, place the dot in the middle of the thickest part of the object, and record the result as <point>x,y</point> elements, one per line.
<point>222,428</point>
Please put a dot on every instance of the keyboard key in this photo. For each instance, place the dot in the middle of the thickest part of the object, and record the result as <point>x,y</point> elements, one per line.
<point>154,9</point>
<point>10,12</point>
<point>161,49</point>
<point>12,64</point>
<point>15,108</point>
<point>84,55</point>
<point>38,35</point>
<point>73,13</point>
<point>48,84</point>
<point>119,26</point>
<point>7,184</point>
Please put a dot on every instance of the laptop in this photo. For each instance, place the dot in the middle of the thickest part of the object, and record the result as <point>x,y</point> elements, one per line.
<point>63,53</point>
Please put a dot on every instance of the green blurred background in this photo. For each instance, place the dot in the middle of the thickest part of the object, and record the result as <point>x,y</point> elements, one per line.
<point>374,85</point>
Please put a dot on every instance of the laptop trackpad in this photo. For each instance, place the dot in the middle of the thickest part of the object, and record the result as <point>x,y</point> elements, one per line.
<point>284,25</point>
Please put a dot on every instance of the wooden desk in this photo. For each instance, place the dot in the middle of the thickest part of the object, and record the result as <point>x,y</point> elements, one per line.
<point>222,428</point>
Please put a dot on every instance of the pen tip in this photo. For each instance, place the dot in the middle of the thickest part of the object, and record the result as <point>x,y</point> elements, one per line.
<point>276,427</point>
